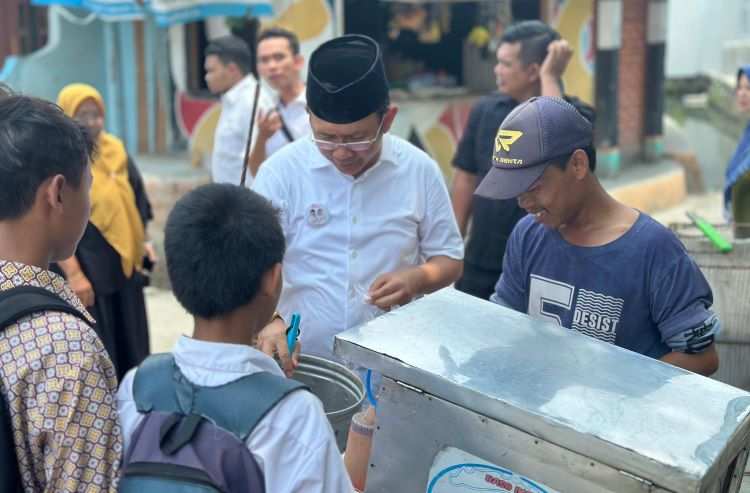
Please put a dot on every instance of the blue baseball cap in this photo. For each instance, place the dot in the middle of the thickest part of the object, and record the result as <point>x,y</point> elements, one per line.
<point>533,135</point>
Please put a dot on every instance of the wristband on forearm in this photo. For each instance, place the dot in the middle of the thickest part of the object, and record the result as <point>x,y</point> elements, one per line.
<point>276,315</point>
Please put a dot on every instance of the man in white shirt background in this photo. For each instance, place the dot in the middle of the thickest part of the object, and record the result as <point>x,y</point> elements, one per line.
<point>280,64</point>
<point>366,215</point>
<point>228,64</point>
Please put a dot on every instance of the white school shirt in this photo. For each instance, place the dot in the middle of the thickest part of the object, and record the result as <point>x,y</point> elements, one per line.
<point>232,128</point>
<point>341,233</point>
<point>296,119</point>
<point>293,444</point>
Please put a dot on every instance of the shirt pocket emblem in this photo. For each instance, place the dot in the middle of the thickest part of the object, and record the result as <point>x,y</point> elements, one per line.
<point>317,215</point>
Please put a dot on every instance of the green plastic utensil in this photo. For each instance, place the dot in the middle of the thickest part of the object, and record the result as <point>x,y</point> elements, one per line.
<point>718,241</point>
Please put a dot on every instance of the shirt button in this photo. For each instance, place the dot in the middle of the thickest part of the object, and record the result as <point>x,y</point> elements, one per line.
<point>354,254</point>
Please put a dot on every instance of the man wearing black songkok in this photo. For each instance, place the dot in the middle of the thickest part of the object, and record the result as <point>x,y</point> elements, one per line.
<point>366,215</point>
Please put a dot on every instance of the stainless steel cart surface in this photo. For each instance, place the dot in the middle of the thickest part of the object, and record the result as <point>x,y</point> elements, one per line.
<point>477,397</point>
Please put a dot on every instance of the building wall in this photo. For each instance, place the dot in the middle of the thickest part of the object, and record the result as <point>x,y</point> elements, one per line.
<point>46,71</point>
<point>126,61</point>
<point>632,76</point>
<point>574,20</point>
<point>697,31</point>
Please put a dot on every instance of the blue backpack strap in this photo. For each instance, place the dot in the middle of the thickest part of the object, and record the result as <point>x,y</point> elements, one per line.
<point>160,386</point>
<point>252,397</point>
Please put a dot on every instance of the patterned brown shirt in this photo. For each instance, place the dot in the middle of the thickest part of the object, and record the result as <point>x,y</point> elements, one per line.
<point>60,386</point>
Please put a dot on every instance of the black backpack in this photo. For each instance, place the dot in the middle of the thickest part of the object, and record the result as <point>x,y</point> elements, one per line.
<point>14,304</point>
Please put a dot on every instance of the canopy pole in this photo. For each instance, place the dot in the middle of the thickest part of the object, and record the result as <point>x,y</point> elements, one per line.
<point>338,7</point>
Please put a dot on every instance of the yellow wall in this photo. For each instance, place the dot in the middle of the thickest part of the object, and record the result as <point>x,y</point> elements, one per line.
<point>573,19</point>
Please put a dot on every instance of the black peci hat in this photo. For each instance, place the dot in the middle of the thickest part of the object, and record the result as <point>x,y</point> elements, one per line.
<point>346,79</point>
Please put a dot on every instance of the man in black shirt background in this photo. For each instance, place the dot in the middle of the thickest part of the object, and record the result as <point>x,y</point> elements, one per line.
<point>530,62</point>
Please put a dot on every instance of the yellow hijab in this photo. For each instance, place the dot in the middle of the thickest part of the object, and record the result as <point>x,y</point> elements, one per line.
<point>113,209</point>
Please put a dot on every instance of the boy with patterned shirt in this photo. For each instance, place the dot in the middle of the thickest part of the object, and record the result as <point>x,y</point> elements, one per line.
<point>57,380</point>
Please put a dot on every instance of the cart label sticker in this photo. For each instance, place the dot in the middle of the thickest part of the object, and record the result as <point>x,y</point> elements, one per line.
<point>455,470</point>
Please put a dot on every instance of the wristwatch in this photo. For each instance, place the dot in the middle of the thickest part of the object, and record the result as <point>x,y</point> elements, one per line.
<point>276,315</point>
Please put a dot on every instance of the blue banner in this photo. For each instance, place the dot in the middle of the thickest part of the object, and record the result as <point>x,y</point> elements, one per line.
<point>168,12</point>
<point>108,10</point>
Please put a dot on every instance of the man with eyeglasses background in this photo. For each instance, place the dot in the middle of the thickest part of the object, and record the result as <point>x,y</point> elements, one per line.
<point>366,215</point>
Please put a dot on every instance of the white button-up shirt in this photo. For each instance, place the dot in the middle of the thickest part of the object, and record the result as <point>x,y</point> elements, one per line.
<point>232,129</point>
<point>293,444</point>
<point>341,233</point>
<point>295,118</point>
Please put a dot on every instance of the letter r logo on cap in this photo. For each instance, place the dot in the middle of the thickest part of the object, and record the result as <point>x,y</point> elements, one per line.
<point>505,139</point>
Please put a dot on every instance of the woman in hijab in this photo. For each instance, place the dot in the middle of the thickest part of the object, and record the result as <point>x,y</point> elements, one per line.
<point>737,187</point>
<point>105,271</point>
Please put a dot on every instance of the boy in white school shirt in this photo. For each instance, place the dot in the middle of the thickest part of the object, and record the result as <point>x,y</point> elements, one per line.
<point>224,247</point>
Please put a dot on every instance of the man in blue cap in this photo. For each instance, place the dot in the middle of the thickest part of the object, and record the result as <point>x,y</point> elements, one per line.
<point>366,215</point>
<point>585,261</point>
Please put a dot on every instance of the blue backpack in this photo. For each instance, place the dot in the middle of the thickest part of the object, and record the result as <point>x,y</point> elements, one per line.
<point>192,438</point>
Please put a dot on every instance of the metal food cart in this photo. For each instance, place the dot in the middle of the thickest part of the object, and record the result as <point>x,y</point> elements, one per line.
<point>477,397</point>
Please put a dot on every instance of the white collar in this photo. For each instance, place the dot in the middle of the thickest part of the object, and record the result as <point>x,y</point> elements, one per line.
<point>234,94</point>
<point>301,99</point>
<point>225,357</point>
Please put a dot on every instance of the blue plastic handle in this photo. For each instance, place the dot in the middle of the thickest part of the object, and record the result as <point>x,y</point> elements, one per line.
<point>368,388</point>
<point>291,337</point>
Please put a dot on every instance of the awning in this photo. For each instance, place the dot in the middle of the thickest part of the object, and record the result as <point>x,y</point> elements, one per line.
<point>167,12</point>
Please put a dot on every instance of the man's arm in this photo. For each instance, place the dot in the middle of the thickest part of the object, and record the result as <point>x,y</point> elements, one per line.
<point>73,428</point>
<point>78,281</point>
<point>553,67</point>
<point>268,124</point>
<point>272,338</point>
<point>680,305</point>
<point>705,363</point>
<point>257,156</point>
<point>465,169</point>
<point>272,341</point>
<point>462,196</point>
<point>439,242</point>
<point>400,287</point>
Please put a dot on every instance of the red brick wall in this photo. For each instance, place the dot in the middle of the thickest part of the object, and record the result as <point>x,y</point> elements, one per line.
<point>632,76</point>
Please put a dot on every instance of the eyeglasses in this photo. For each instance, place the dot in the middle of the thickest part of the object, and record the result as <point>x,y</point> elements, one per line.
<point>325,145</point>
